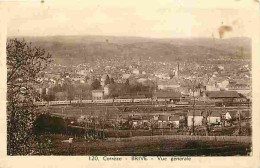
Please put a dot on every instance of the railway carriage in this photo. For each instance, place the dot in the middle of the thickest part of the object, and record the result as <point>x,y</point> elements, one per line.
<point>143,100</point>
<point>160,100</point>
<point>59,102</point>
<point>44,103</point>
<point>123,100</point>
<point>104,101</point>
<point>75,101</point>
<point>87,101</point>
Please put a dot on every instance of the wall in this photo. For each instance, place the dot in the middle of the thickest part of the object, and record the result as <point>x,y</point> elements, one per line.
<point>197,120</point>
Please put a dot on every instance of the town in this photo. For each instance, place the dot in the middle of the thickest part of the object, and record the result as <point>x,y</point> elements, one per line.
<point>188,98</point>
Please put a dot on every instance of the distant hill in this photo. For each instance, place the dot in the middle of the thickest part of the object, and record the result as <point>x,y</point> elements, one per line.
<point>79,49</point>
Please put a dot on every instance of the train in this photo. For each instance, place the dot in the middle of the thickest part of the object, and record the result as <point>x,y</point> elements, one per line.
<point>102,101</point>
<point>109,101</point>
<point>117,101</point>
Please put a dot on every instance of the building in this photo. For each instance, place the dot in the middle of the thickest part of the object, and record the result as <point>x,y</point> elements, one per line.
<point>136,72</point>
<point>168,96</point>
<point>126,76</point>
<point>214,117</point>
<point>97,94</point>
<point>163,118</point>
<point>163,121</point>
<point>106,90</point>
<point>175,120</point>
<point>103,79</point>
<point>142,80</point>
<point>80,79</point>
<point>136,120</point>
<point>194,92</point>
<point>226,96</point>
<point>198,118</point>
<point>171,84</point>
<point>228,115</point>
<point>240,88</point>
<point>212,87</point>
<point>163,76</point>
<point>147,118</point>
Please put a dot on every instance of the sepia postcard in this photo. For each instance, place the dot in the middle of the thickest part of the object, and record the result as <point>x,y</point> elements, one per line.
<point>129,83</point>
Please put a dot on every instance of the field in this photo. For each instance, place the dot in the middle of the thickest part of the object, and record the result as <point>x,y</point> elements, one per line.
<point>156,147</point>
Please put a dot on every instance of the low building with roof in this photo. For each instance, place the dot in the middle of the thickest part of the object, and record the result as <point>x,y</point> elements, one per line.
<point>229,115</point>
<point>214,117</point>
<point>222,95</point>
<point>175,120</point>
<point>97,94</point>
<point>240,88</point>
<point>136,120</point>
<point>136,71</point>
<point>147,118</point>
<point>163,121</point>
<point>196,116</point>
<point>163,118</point>
<point>171,84</point>
<point>167,95</point>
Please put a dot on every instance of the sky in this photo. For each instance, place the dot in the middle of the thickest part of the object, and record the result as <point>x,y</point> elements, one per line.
<point>153,18</point>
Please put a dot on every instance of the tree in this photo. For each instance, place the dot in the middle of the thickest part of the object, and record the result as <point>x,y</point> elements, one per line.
<point>112,81</point>
<point>24,64</point>
<point>194,86</point>
<point>127,83</point>
<point>126,87</point>
<point>206,123</point>
<point>95,84</point>
<point>86,79</point>
<point>107,81</point>
<point>70,90</point>
<point>115,90</point>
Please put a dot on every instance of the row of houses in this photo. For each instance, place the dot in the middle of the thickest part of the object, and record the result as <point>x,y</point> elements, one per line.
<point>171,96</point>
<point>184,85</point>
<point>215,117</point>
<point>180,120</point>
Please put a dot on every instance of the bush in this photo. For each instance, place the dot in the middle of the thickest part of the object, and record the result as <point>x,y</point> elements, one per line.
<point>192,144</point>
<point>45,123</point>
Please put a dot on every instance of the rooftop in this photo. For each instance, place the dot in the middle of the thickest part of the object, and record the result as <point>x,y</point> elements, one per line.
<point>196,113</point>
<point>215,114</point>
<point>222,94</point>
<point>168,82</point>
<point>175,118</point>
<point>163,117</point>
<point>167,94</point>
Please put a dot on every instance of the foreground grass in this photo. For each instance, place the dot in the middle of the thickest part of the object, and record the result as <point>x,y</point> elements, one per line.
<point>161,147</point>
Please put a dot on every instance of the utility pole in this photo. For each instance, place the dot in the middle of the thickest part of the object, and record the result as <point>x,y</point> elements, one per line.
<point>94,132</point>
<point>193,117</point>
<point>103,128</point>
<point>239,122</point>
<point>208,113</point>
